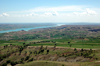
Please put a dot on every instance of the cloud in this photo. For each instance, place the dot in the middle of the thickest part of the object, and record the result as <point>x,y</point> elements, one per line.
<point>59,8</point>
<point>25,15</point>
<point>86,12</point>
<point>0,15</point>
<point>48,14</point>
<point>33,14</point>
<point>80,13</point>
<point>55,13</point>
<point>50,9</point>
<point>5,14</point>
<point>91,12</point>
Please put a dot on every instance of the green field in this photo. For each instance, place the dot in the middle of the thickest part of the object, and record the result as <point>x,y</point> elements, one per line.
<point>90,44</point>
<point>59,46</point>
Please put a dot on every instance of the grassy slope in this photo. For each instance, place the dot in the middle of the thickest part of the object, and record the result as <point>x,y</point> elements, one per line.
<point>55,63</point>
<point>18,57</point>
<point>95,44</point>
<point>75,43</point>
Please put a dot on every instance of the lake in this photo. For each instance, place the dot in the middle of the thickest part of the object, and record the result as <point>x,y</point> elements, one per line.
<point>27,29</point>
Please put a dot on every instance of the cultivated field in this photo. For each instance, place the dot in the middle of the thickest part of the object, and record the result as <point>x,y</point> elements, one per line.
<point>66,45</point>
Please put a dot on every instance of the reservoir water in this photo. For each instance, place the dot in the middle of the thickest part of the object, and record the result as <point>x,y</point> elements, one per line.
<point>27,29</point>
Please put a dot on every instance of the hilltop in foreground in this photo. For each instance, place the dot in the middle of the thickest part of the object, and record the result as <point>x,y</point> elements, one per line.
<point>65,45</point>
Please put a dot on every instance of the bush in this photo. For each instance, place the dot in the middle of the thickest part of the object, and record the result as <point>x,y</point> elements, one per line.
<point>42,51</point>
<point>96,58</point>
<point>41,47</point>
<point>81,54</point>
<point>8,61</point>
<point>75,49</point>
<point>82,49</point>
<point>13,63</point>
<point>25,52</point>
<point>27,57</point>
<point>4,64</point>
<point>4,56</point>
<point>1,58</point>
<point>35,52</point>
<point>90,49</point>
<point>22,59</point>
<point>47,51</point>
<point>30,60</point>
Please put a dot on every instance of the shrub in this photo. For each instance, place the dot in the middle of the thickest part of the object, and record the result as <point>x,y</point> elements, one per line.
<point>96,58</point>
<point>75,49</point>
<point>81,54</point>
<point>35,52</point>
<point>1,58</point>
<point>41,47</point>
<point>68,42</point>
<point>27,57</point>
<point>42,51</point>
<point>13,63</point>
<point>82,49</point>
<point>90,49</point>
<point>30,60</point>
<point>4,56</point>
<point>4,64</point>
<point>22,59</point>
<point>25,52</point>
<point>23,43</point>
<point>8,61</point>
<point>47,51</point>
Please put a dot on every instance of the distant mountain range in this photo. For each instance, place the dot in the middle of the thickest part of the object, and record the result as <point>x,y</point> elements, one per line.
<point>82,23</point>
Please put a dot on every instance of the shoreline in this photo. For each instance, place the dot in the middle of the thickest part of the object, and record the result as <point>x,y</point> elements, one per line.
<point>27,29</point>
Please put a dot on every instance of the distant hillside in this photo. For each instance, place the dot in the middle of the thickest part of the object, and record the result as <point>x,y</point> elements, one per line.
<point>11,26</point>
<point>64,31</point>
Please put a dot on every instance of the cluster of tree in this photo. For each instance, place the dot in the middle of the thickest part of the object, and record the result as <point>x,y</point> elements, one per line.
<point>85,53</point>
<point>11,62</point>
<point>3,56</point>
<point>41,50</point>
<point>41,42</point>
<point>20,49</point>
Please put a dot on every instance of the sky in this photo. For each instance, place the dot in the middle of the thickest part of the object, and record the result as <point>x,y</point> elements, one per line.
<point>49,11</point>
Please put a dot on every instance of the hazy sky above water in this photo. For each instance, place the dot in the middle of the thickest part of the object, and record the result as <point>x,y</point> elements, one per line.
<point>53,11</point>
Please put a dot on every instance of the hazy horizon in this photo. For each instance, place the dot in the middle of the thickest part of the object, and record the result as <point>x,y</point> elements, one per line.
<point>48,22</point>
<point>53,11</point>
